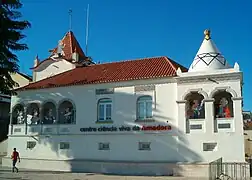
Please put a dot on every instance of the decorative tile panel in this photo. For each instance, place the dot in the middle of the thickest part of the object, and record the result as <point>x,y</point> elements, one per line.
<point>104,91</point>
<point>145,88</point>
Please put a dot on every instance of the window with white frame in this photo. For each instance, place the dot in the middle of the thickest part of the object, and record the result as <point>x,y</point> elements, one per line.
<point>64,145</point>
<point>105,110</point>
<point>30,144</point>
<point>144,108</point>
<point>103,146</point>
<point>210,146</point>
<point>144,146</point>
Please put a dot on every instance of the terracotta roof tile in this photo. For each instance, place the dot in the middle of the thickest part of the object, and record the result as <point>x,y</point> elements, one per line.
<point>147,68</point>
<point>71,45</point>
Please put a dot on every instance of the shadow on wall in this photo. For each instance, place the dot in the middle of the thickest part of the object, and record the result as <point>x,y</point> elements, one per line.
<point>4,121</point>
<point>124,155</point>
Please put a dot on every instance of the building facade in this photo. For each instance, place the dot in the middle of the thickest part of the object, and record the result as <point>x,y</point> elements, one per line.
<point>5,100</point>
<point>21,80</point>
<point>145,116</point>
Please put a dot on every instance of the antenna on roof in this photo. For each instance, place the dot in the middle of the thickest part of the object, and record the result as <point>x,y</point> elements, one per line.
<point>87,29</point>
<point>70,19</point>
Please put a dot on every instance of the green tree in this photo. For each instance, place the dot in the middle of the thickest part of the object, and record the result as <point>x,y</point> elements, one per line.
<point>10,35</point>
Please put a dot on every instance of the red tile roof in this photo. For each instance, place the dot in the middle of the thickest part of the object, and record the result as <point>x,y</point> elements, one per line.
<point>147,68</point>
<point>71,45</point>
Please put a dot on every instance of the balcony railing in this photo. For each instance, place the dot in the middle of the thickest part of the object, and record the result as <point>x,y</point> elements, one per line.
<point>43,129</point>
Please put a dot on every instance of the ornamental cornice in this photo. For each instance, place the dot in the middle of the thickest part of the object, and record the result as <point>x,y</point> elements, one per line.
<point>209,79</point>
<point>237,98</point>
<point>181,101</point>
<point>208,100</point>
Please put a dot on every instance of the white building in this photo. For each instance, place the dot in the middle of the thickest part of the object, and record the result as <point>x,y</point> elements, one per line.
<point>21,80</point>
<point>145,116</point>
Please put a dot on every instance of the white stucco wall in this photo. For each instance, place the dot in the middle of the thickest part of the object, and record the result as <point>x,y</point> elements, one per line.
<point>3,147</point>
<point>169,146</point>
<point>122,147</point>
<point>124,113</point>
<point>225,139</point>
<point>52,67</point>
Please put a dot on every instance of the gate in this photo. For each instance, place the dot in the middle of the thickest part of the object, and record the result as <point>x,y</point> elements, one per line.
<point>229,171</point>
<point>215,169</point>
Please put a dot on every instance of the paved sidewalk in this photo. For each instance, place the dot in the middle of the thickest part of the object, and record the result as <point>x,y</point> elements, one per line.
<point>24,174</point>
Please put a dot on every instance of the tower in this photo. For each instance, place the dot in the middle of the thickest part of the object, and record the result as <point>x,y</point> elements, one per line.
<point>210,105</point>
<point>208,57</point>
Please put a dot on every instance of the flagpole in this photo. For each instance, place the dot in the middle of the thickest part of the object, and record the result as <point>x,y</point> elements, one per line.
<point>87,30</point>
<point>70,19</point>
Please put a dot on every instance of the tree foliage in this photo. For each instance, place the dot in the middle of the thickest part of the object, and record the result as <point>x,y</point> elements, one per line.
<point>10,36</point>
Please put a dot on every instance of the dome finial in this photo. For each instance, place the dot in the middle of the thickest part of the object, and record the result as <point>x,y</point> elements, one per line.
<point>207,34</point>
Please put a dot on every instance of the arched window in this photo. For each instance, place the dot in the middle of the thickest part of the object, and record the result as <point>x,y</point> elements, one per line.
<point>195,108</point>
<point>33,114</point>
<point>18,114</point>
<point>49,113</point>
<point>223,105</point>
<point>144,107</point>
<point>104,107</point>
<point>66,113</point>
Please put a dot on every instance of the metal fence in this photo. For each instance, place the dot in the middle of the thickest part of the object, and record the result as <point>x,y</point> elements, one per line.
<point>229,171</point>
<point>215,169</point>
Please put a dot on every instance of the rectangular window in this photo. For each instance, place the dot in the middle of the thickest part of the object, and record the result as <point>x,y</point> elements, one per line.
<point>144,146</point>
<point>101,112</point>
<point>105,110</point>
<point>103,146</point>
<point>196,126</point>
<point>224,126</point>
<point>64,145</point>
<point>209,146</point>
<point>148,109</point>
<point>30,144</point>
<point>141,111</point>
<point>144,108</point>
<point>108,111</point>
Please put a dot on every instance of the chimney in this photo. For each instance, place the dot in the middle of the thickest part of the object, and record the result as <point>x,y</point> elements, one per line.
<point>36,62</point>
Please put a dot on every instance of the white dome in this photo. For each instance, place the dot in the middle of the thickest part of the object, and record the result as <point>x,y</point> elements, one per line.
<point>208,57</point>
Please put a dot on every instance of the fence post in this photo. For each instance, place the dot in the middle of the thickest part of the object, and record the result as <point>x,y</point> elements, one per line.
<point>250,167</point>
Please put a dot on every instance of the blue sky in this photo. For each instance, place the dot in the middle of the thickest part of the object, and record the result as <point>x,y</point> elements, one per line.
<point>129,29</point>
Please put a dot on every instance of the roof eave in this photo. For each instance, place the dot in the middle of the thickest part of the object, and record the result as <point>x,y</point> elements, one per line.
<point>97,83</point>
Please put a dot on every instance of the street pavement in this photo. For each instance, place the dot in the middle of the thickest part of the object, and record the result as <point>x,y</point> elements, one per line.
<point>25,174</point>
